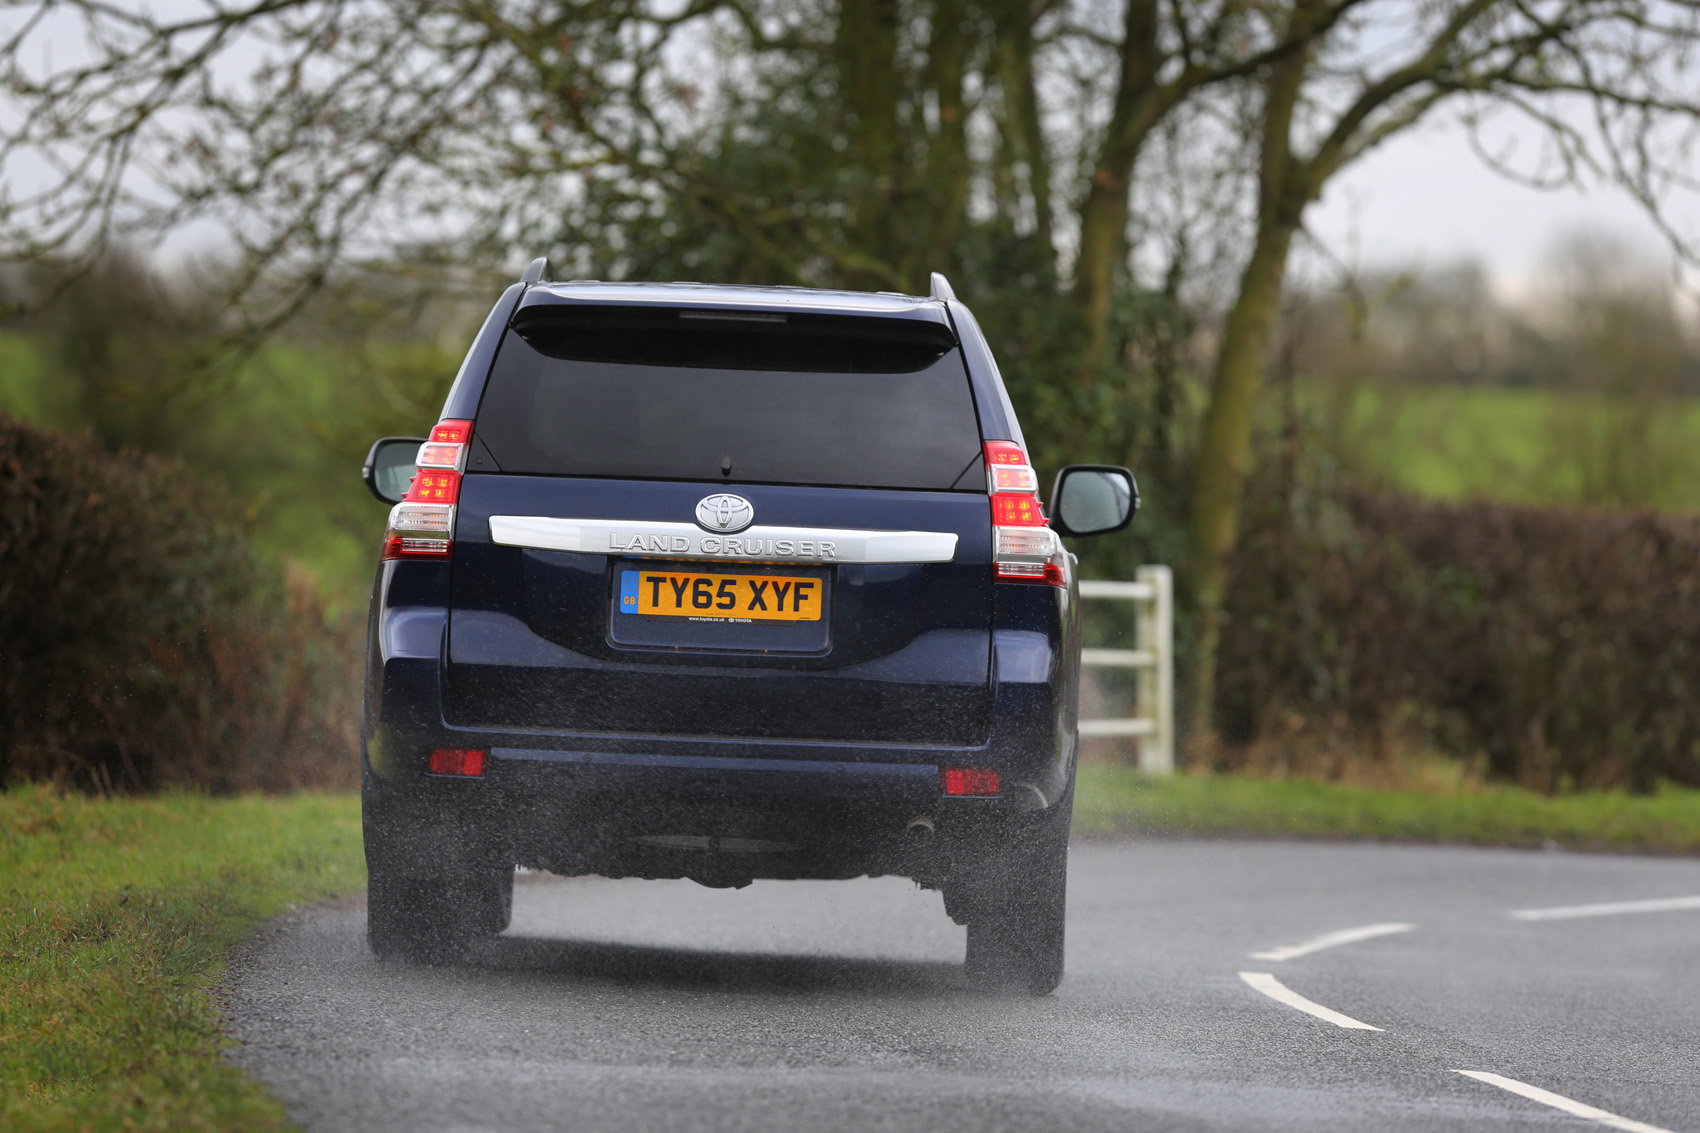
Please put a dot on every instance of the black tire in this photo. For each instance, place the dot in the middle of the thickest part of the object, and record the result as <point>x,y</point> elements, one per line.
<point>427,917</point>
<point>1015,945</point>
<point>435,920</point>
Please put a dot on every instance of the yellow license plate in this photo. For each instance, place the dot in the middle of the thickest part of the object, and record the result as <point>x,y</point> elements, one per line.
<point>721,597</point>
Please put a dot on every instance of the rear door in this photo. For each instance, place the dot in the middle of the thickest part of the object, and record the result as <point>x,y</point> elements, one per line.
<point>727,524</point>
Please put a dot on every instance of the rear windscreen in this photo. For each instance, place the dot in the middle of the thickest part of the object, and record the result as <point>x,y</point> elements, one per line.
<point>853,402</point>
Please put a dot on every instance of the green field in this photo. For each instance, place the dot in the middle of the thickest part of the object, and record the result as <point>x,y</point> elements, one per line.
<point>1115,800</point>
<point>115,919</point>
<point>1524,446</point>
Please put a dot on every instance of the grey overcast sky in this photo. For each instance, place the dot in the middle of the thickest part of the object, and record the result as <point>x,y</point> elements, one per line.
<point>1426,199</point>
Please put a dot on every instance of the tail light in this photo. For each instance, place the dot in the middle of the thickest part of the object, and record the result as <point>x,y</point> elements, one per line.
<point>1025,549</point>
<point>422,526</point>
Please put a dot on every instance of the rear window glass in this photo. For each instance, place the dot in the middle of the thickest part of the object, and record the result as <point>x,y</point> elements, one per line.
<point>853,402</point>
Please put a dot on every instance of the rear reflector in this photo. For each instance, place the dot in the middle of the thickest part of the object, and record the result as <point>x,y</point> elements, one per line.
<point>458,761</point>
<point>970,781</point>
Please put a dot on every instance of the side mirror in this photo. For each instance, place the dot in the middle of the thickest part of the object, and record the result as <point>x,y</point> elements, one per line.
<point>389,467</point>
<point>1093,499</point>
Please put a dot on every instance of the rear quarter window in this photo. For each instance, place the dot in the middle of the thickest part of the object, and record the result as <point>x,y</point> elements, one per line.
<point>839,401</point>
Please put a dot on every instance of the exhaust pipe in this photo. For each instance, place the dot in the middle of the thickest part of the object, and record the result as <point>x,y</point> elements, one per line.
<point>919,832</point>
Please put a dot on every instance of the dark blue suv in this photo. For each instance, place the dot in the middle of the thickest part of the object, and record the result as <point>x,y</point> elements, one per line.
<point>725,583</point>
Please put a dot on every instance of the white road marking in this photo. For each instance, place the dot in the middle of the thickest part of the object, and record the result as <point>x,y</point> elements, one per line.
<point>1557,1101</point>
<point>1281,993</point>
<point>1663,905</point>
<point>1331,940</point>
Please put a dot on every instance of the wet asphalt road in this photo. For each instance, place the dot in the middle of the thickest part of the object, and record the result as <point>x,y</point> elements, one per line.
<point>643,1005</point>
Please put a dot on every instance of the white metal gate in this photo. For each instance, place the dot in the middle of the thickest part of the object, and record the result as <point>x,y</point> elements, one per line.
<point>1153,590</point>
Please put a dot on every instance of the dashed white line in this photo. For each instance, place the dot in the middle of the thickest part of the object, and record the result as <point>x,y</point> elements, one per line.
<point>1281,993</point>
<point>1332,940</point>
<point>1616,908</point>
<point>1559,1102</point>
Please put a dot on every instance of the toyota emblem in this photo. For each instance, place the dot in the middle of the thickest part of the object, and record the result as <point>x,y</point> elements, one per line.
<point>725,512</point>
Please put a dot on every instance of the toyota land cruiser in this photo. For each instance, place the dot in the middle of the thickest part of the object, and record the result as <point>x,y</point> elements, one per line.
<point>725,583</point>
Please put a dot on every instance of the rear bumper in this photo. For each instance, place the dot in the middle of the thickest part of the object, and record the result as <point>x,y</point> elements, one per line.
<point>722,810</point>
<point>1030,742</point>
<point>720,820</point>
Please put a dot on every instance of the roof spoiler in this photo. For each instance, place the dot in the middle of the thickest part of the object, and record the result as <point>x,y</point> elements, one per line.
<point>539,270</point>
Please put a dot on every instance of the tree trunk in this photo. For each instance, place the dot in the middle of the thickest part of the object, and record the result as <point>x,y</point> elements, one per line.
<point>1103,246</point>
<point>936,222</point>
<point>866,51</point>
<point>1140,103</point>
<point>1224,449</point>
<point>1023,130</point>
<point>1175,329</point>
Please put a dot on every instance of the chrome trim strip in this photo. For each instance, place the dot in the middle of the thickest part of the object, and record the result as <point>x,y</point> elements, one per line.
<point>753,544</point>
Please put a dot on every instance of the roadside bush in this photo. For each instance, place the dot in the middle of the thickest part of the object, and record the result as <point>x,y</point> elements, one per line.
<point>1560,647</point>
<point>142,645</point>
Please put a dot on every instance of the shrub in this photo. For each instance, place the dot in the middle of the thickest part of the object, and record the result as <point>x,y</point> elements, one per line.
<point>142,644</point>
<point>1560,646</point>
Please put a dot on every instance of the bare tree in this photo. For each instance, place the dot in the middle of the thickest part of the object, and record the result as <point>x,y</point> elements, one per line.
<point>324,132</point>
<point>327,131</point>
<point>1626,64</point>
<point>1166,53</point>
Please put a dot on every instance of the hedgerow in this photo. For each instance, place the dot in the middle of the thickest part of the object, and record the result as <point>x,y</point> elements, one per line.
<point>1560,647</point>
<point>143,644</point>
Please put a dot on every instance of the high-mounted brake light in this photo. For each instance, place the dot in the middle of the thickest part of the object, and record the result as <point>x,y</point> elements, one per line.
<point>1025,549</point>
<point>422,525</point>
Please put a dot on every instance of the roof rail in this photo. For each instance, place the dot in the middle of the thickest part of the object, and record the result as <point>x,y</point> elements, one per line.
<point>539,269</point>
<point>941,287</point>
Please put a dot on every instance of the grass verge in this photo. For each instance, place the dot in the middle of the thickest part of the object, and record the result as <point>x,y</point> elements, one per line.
<point>1114,799</point>
<point>115,917</point>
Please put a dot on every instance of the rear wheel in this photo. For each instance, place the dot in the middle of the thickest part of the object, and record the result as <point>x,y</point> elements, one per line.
<point>438,919</point>
<point>429,896</point>
<point>1015,940</point>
